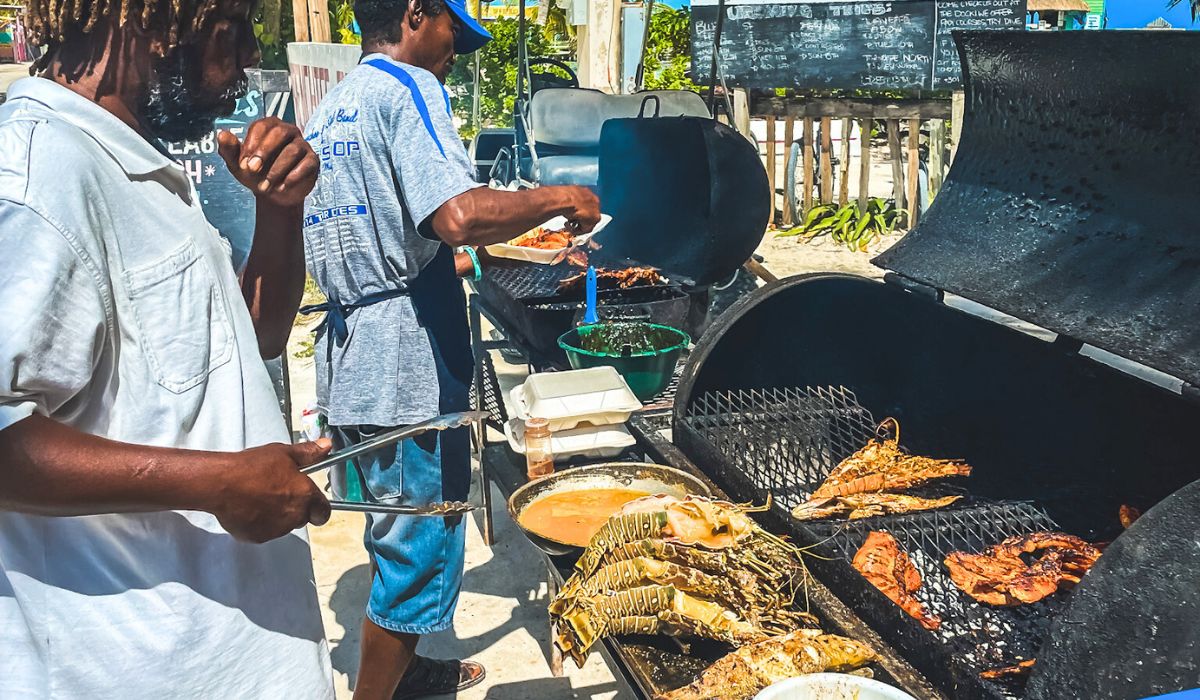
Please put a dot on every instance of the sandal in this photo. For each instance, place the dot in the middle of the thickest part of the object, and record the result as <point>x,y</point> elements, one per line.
<point>426,677</point>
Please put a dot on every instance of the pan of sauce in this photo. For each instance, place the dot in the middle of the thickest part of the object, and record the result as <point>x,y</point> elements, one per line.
<point>561,512</point>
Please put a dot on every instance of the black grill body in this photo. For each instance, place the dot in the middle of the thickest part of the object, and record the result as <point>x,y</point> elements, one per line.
<point>792,379</point>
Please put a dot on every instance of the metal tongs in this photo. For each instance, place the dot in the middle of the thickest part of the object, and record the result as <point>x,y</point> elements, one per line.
<point>436,510</point>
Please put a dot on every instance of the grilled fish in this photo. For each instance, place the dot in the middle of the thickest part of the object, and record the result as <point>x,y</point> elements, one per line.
<point>1001,576</point>
<point>882,562</point>
<point>867,505</point>
<point>741,674</point>
<point>882,465</point>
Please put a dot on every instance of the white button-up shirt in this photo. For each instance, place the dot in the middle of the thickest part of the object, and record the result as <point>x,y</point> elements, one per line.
<point>121,316</point>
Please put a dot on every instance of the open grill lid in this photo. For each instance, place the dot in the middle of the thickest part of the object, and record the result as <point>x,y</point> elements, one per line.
<point>1072,200</point>
<point>686,194</point>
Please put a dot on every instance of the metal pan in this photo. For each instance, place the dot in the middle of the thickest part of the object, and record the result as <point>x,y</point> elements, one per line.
<point>651,478</point>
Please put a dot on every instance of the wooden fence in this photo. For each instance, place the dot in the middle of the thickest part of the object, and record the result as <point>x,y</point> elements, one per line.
<point>801,119</point>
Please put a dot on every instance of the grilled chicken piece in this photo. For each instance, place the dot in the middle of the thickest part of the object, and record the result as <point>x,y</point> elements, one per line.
<point>743,673</point>
<point>1001,575</point>
<point>544,239</point>
<point>1004,673</point>
<point>882,562</point>
<point>882,466</point>
<point>613,279</point>
<point>868,505</point>
<point>1128,516</point>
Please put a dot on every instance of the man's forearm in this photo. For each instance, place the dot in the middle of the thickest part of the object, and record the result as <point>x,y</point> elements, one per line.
<point>274,278</point>
<point>484,216</point>
<point>48,468</point>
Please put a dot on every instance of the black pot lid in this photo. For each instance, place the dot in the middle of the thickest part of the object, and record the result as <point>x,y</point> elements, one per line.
<point>687,194</point>
<point>1074,199</point>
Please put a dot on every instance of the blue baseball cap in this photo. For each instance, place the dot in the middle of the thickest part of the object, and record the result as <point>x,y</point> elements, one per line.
<point>473,36</point>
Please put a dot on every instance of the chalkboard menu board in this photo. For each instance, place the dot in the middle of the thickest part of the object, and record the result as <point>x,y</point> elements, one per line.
<point>897,45</point>
<point>227,205</point>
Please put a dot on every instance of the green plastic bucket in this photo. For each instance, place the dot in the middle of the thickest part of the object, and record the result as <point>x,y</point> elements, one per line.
<point>647,362</point>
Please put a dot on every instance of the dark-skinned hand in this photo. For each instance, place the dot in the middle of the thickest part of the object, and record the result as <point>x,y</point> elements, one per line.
<point>267,497</point>
<point>273,161</point>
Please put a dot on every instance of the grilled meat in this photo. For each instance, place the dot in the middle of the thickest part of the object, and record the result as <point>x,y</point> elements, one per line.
<point>1014,672</point>
<point>544,239</point>
<point>882,466</point>
<point>613,279</point>
<point>743,673</point>
<point>1005,574</point>
<point>882,562</point>
<point>1128,516</point>
<point>867,505</point>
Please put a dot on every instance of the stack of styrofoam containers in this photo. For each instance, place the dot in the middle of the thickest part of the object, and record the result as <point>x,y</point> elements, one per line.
<point>587,410</point>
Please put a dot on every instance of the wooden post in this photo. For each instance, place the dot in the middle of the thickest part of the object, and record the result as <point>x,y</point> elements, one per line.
<point>937,156</point>
<point>958,110</point>
<point>741,111</point>
<point>893,139</point>
<point>318,21</point>
<point>808,164</point>
<point>914,171</point>
<point>771,163</point>
<point>844,170</point>
<point>300,19</point>
<point>864,164</point>
<point>789,135</point>
<point>826,160</point>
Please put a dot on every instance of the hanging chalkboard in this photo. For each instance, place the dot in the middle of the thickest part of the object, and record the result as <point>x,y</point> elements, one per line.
<point>227,205</point>
<point>897,45</point>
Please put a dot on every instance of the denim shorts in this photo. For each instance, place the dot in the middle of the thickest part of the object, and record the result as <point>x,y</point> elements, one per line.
<point>418,561</point>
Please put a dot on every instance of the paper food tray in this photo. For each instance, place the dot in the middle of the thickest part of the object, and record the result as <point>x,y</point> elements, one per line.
<point>593,442</point>
<point>543,257</point>
<point>598,396</point>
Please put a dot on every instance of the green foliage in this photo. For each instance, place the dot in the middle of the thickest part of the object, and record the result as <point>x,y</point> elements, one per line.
<point>274,27</point>
<point>497,75</point>
<point>669,50</point>
<point>341,15</point>
<point>848,225</point>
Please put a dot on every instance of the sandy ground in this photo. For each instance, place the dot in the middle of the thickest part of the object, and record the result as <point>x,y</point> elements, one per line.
<point>10,72</point>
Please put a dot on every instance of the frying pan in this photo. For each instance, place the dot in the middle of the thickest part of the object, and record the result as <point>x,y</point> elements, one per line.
<point>639,476</point>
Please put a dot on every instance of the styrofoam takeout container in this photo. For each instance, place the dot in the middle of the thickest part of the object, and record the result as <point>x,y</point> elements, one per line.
<point>537,255</point>
<point>598,396</point>
<point>832,686</point>
<point>591,441</point>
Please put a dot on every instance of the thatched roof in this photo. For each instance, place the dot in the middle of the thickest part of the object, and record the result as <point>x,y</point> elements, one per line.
<point>1059,6</point>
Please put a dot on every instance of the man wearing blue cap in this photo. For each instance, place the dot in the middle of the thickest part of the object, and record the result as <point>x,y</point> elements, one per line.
<point>395,193</point>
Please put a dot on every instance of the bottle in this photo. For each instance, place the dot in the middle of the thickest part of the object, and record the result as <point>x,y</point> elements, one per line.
<point>539,456</point>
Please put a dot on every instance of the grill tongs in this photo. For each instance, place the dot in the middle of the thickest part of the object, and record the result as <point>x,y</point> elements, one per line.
<point>435,510</point>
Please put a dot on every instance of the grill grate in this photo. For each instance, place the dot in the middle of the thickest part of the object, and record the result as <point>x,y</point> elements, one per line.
<point>782,443</point>
<point>529,281</point>
<point>492,401</point>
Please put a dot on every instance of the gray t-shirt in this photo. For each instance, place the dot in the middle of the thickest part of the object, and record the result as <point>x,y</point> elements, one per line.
<point>390,157</point>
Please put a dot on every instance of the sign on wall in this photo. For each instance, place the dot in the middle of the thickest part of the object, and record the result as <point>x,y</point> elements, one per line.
<point>315,68</point>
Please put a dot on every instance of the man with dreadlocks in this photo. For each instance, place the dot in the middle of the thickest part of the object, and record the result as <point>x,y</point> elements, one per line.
<point>395,195</point>
<point>151,510</point>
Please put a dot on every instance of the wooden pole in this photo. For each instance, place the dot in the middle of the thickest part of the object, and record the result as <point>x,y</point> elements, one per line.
<point>741,111</point>
<point>826,160</point>
<point>318,21</point>
<point>771,163</point>
<point>937,155</point>
<point>893,139</point>
<point>864,164</point>
<point>789,135</point>
<point>808,164</point>
<point>300,19</point>
<point>844,170</point>
<point>914,171</point>
<point>958,110</point>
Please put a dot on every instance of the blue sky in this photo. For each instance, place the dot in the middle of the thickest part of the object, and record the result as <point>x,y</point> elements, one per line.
<point>1122,14</point>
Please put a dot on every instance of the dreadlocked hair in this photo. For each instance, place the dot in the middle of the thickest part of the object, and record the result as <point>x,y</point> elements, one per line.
<point>51,23</point>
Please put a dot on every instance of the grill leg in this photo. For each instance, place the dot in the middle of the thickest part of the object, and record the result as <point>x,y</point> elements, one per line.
<point>556,658</point>
<point>479,431</point>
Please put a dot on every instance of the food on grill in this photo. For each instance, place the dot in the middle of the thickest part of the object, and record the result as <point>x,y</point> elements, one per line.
<point>543,238</point>
<point>867,505</point>
<point>1022,569</point>
<point>745,672</point>
<point>574,517</point>
<point>1128,516</point>
<point>576,257</point>
<point>883,466</point>
<point>613,279</point>
<point>1005,673</point>
<point>882,562</point>
<point>693,566</point>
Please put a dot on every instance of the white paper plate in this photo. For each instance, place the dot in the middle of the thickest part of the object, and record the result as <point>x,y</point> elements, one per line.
<point>832,686</point>
<point>537,255</point>
<point>598,395</point>
<point>591,441</point>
